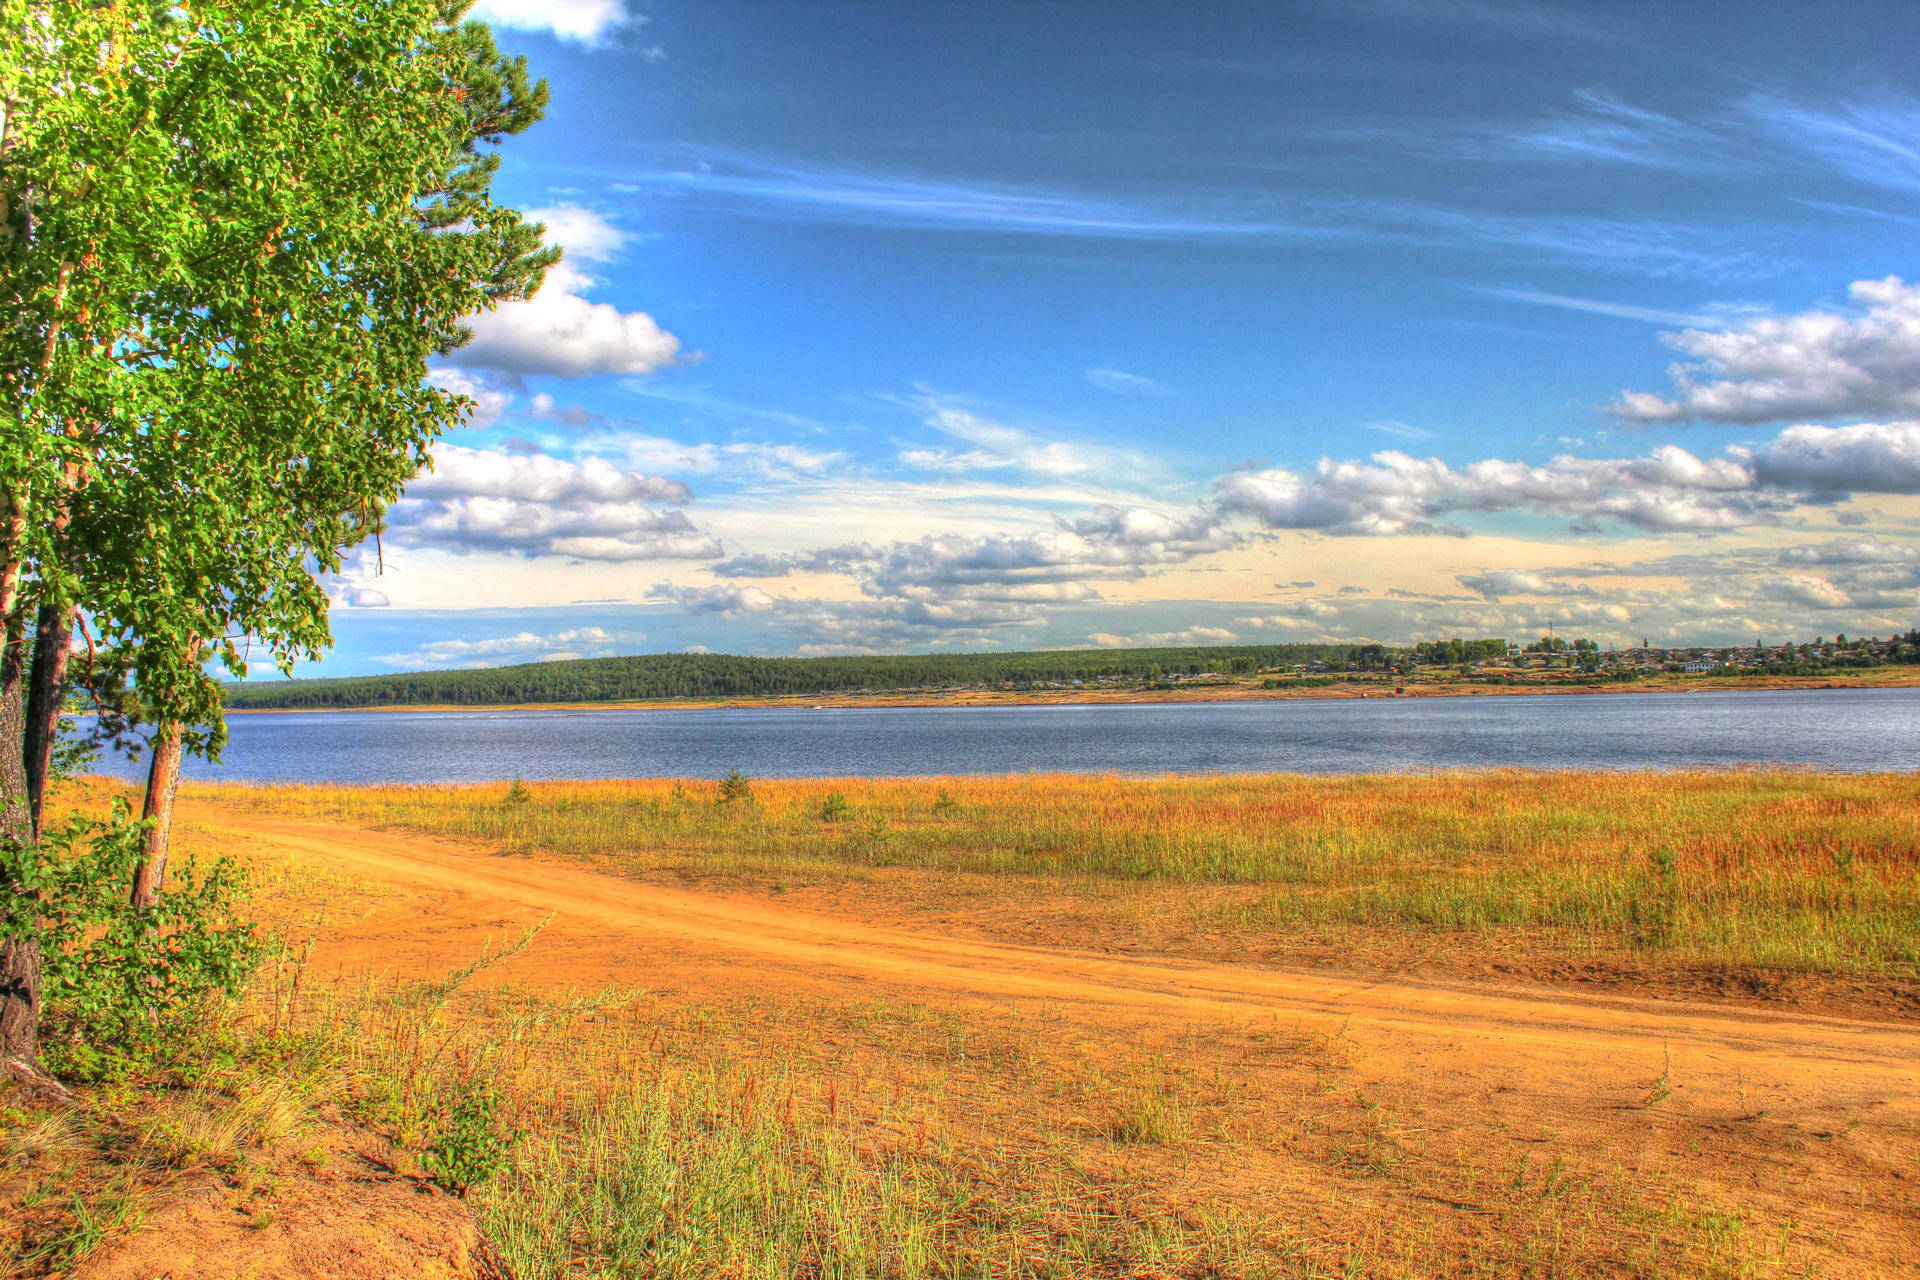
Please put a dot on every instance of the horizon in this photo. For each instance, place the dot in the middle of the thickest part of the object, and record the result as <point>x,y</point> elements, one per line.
<point>889,330</point>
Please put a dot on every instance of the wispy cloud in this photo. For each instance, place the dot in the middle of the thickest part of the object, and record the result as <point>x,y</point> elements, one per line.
<point>1126,384</point>
<point>1625,311</point>
<point>790,189</point>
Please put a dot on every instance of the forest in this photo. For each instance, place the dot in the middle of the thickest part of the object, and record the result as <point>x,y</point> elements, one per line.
<point>711,675</point>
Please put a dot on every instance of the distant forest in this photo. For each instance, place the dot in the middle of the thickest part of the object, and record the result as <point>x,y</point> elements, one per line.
<point>716,675</point>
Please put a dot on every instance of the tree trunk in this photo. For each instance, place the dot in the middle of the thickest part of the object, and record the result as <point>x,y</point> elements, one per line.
<point>163,781</point>
<point>19,952</point>
<point>46,691</point>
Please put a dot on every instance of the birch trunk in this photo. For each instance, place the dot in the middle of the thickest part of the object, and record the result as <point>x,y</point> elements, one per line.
<point>46,691</point>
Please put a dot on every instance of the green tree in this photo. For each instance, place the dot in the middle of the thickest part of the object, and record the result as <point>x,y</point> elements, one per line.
<point>231,243</point>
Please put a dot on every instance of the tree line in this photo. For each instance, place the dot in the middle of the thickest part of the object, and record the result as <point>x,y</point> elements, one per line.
<point>710,675</point>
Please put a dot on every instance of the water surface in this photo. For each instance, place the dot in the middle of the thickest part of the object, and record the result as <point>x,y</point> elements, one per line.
<point>1854,730</point>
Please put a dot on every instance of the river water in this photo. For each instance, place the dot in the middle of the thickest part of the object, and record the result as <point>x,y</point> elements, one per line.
<point>1852,730</point>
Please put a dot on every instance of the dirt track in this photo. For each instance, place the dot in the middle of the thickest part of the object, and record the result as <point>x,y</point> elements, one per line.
<point>1594,1054</point>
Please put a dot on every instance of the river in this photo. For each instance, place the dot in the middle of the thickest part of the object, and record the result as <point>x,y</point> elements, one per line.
<point>1850,730</point>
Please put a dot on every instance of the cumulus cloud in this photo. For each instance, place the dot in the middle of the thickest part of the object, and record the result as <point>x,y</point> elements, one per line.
<point>558,332</point>
<point>363,597</point>
<point>854,625</point>
<point>1753,590</point>
<point>1112,543</point>
<point>582,21</point>
<point>534,505</point>
<point>962,584</point>
<point>1818,364</point>
<point>1827,464</point>
<point>1396,493</point>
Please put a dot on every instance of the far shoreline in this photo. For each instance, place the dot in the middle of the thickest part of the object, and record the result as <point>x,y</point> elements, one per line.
<point>1245,691</point>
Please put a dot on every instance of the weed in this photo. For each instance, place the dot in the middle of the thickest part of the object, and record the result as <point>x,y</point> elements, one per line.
<point>470,1148</point>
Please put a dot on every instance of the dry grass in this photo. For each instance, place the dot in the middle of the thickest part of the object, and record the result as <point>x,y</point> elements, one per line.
<point>1779,870</point>
<point>700,1134</point>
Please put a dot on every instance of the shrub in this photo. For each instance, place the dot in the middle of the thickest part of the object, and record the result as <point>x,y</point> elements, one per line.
<point>834,807</point>
<point>735,786</point>
<point>470,1147</point>
<point>117,976</point>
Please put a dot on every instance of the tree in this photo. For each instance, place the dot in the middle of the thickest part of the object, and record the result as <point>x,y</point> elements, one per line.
<point>232,243</point>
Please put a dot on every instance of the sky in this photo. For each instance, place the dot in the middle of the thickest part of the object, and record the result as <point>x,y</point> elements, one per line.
<point>907,327</point>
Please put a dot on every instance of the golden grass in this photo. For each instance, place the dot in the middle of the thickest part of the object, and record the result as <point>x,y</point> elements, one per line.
<point>695,1134</point>
<point>1778,870</point>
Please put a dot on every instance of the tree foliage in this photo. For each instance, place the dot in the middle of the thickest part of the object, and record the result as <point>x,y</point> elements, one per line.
<point>235,235</point>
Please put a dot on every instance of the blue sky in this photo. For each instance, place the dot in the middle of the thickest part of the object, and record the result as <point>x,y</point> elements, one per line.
<point>890,327</point>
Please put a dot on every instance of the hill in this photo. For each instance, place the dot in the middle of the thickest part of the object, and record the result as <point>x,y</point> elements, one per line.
<point>720,675</point>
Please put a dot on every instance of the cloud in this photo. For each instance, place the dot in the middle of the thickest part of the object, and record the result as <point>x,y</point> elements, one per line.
<point>1751,589</point>
<point>770,188</point>
<point>362,597</point>
<point>1668,489</point>
<point>998,446</point>
<point>460,472</point>
<point>1192,637</point>
<point>1818,364</point>
<point>582,21</point>
<point>956,583</point>
<point>1827,464</point>
<point>534,505</point>
<point>558,332</point>
<point>1609,131</point>
<point>1874,142</point>
<point>523,647</point>
<point>853,625</point>
<point>1126,384</point>
<point>489,401</point>
<point>1300,615</point>
<point>586,235</point>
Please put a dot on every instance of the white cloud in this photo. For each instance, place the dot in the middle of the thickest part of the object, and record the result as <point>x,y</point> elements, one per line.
<point>489,401</point>
<point>583,21</point>
<point>1126,384</point>
<point>1818,364</point>
<point>997,446</point>
<point>482,473</point>
<point>522,647</point>
<point>854,625</point>
<point>1668,489</point>
<point>534,505</point>
<point>363,597</point>
<point>956,583</point>
<point>1192,637</point>
<point>586,235</point>
<point>559,333</point>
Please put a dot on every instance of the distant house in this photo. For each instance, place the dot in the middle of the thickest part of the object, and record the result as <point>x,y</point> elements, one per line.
<point>1702,664</point>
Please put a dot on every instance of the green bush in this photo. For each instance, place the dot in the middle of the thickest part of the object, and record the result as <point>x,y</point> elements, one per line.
<point>470,1147</point>
<point>118,977</point>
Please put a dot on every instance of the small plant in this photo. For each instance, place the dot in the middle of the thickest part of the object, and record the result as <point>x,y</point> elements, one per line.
<point>835,807</point>
<point>470,1147</point>
<point>879,836</point>
<point>944,803</point>
<point>736,787</point>
<point>518,794</point>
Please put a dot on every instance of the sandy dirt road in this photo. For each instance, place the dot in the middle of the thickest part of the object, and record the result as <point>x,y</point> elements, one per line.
<point>1597,1053</point>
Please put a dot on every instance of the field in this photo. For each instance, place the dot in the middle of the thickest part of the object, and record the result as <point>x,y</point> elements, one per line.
<point>1545,1024</point>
